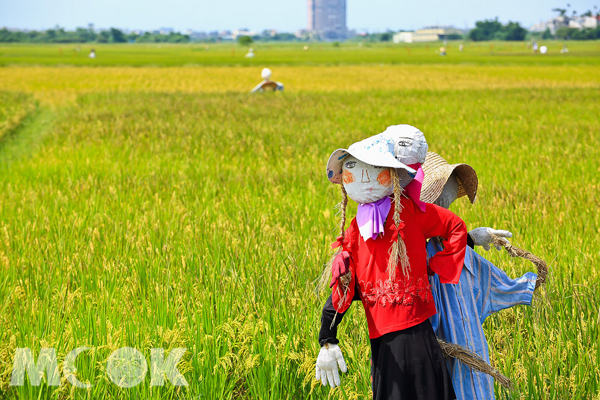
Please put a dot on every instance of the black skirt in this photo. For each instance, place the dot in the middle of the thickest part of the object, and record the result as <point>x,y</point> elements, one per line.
<point>409,365</point>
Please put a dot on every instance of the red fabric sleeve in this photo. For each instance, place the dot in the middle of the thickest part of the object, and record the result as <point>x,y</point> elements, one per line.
<point>437,221</point>
<point>341,303</point>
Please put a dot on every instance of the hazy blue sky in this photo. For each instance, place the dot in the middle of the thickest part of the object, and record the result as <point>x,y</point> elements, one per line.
<point>283,15</point>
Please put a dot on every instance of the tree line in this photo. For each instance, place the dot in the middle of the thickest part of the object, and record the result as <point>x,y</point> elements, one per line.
<point>565,33</point>
<point>493,30</point>
<point>83,35</point>
<point>486,30</point>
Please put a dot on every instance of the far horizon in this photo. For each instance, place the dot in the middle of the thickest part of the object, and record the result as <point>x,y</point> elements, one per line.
<point>372,16</point>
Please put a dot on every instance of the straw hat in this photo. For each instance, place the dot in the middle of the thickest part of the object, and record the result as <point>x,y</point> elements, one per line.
<point>437,171</point>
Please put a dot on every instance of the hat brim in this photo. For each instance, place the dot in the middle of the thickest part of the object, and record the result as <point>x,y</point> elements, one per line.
<point>336,160</point>
<point>437,171</point>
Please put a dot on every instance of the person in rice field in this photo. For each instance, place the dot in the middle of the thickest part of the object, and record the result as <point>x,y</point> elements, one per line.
<point>482,289</point>
<point>384,256</point>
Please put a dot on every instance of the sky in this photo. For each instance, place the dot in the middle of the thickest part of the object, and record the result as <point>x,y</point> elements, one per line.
<point>281,15</point>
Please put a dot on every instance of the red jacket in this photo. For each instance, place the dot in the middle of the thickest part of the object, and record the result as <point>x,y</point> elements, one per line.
<point>408,301</point>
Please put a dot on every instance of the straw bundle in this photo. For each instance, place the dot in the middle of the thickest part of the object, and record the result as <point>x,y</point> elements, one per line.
<point>514,251</point>
<point>473,361</point>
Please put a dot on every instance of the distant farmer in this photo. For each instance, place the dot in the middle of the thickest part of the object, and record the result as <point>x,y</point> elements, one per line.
<point>267,85</point>
<point>92,54</point>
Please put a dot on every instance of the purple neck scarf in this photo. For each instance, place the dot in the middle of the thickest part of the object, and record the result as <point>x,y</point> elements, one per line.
<point>371,218</point>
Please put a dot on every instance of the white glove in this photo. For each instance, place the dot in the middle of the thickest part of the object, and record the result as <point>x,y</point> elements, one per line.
<point>328,360</point>
<point>483,237</point>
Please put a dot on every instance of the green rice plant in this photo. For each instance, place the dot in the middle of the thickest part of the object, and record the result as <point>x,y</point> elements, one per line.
<point>14,107</point>
<point>349,53</point>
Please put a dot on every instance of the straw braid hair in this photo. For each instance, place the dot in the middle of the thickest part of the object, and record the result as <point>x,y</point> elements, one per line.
<point>344,279</point>
<point>398,249</point>
<point>343,205</point>
<point>326,274</point>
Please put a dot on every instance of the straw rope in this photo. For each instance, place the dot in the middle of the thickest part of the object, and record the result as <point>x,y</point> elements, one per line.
<point>473,361</point>
<point>514,251</point>
<point>398,250</point>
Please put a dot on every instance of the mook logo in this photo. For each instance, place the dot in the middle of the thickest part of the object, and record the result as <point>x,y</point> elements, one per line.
<point>126,367</point>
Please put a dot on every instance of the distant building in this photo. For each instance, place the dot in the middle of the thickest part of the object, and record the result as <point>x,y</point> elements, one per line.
<point>404,37</point>
<point>427,34</point>
<point>563,21</point>
<point>301,33</point>
<point>225,35</point>
<point>553,24</point>
<point>327,18</point>
<point>166,31</point>
<point>242,32</point>
<point>194,35</point>
<point>583,22</point>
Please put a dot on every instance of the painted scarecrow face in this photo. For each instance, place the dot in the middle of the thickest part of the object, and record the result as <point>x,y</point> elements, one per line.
<point>449,193</point>
<point>367,183</point>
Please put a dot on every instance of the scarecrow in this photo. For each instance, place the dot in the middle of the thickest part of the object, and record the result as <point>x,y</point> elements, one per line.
<point>482,288</point>
<point>267,85</point>
<point>382,259</point>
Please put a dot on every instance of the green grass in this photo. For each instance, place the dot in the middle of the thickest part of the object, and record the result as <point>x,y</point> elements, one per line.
<point>349,53</point>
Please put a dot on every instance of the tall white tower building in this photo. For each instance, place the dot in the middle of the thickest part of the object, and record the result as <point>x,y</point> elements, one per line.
<point>327,18</point>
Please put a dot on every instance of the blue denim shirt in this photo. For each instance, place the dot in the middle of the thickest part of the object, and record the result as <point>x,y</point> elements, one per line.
<point>482,290</point>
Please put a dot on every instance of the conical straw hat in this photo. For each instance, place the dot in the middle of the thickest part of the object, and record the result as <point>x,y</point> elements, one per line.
<point>437,171</point>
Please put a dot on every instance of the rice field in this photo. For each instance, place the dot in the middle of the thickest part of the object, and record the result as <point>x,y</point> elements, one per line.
<point>301,53</point>
<point>167,207</point>
<point>14,107</point>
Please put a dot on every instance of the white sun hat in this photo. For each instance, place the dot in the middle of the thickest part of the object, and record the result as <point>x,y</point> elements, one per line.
<point>397,147</point>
